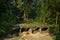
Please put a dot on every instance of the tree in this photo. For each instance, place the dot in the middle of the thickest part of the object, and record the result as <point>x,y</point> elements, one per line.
<point>44,11</point>
<point>7,17</point>
<point>54,8</point>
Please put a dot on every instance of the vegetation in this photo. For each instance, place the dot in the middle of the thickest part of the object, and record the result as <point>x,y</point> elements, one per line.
<point>29,11</point>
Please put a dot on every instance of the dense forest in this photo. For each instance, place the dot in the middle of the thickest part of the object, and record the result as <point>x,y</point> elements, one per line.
<point>30,11</point>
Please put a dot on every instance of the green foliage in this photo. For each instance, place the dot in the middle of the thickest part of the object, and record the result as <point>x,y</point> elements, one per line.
<point>7,20</point>
<point>29,11</point>
<point>54,30</point>
<point>51,29</point>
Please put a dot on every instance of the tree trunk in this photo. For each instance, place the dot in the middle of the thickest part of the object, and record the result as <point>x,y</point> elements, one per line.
<point>57,19</point>
<point>24,16</point>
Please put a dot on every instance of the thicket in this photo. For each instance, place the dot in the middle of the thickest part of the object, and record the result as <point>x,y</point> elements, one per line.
<point>29,11</point>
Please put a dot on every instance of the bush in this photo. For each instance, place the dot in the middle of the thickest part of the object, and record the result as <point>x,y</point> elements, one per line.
<point>55,31</point>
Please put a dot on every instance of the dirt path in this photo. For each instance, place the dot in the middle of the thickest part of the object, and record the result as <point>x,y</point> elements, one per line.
<point>37,36</point>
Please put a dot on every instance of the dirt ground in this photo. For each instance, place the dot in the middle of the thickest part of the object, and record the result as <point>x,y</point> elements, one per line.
<point>31,36</point>
<point>36,36</point>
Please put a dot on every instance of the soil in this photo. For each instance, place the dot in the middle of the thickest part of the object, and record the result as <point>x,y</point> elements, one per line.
<point>36,36</point>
